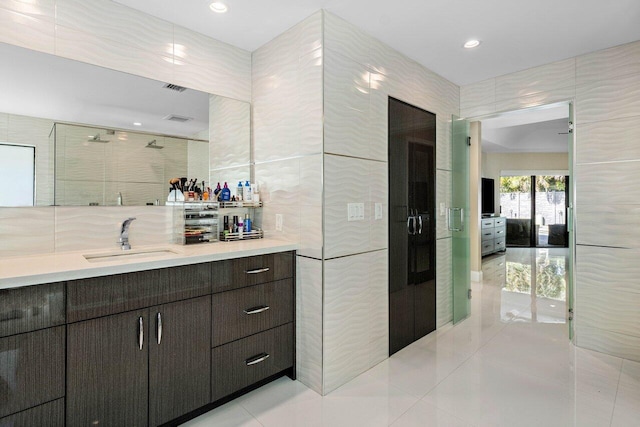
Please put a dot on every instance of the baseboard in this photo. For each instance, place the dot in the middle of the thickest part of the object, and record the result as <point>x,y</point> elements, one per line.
<point>476,276</point>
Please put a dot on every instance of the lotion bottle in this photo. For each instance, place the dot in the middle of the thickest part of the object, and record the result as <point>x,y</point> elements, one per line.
<point>225,193</point>
<point>247,192</point>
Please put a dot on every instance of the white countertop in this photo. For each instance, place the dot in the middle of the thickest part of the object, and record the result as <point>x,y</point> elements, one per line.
<point>60,266</point>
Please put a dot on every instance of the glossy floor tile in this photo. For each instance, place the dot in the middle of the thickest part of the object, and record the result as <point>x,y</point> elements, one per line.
<point>509,364</point>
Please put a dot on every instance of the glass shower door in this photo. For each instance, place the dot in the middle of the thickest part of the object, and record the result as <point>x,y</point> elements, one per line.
<point>458,219</point>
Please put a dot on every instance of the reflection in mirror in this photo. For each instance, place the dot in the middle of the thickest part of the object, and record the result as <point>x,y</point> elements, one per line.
<point>93,131</point>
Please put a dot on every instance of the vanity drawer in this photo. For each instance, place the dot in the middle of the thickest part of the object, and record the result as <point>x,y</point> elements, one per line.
<point>487,223</point>
<point>487,234</point>
<point>239,364</point>
<point>247,311</point>
<point>32,368</point>
<point>102,296</point>
<point>31,308</point>
<point>48,415</point>
<point>241,272</point>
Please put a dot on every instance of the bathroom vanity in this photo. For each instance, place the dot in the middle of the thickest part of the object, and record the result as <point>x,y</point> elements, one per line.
<point>147,341</point>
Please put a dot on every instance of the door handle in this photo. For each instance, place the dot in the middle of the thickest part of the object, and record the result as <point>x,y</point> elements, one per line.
<point>140,333</point>
<point>419,224</point>
<point>257,359</point>
<point>256,310</point>
<point>159,327</point>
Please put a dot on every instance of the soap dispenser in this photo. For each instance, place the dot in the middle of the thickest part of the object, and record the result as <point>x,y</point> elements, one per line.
<point>225,194</point>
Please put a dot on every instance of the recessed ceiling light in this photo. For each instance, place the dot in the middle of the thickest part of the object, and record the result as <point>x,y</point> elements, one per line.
<point>137,124</point>
<point>471,44</point>
<point>218,7</point>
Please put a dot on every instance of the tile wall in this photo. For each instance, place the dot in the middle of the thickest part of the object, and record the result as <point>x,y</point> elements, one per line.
<point>606,88</point>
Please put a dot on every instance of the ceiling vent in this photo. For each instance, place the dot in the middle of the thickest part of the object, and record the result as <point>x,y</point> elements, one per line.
<point>176,118</point>
<point>175,87</point>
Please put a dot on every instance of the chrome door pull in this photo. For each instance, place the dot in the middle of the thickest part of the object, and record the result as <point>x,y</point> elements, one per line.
<point>140,333</point>
<point>419,224</point>
<point>257,359</point>
<point>257,270</point>
<point>256,310</point>
<point>159,327</point>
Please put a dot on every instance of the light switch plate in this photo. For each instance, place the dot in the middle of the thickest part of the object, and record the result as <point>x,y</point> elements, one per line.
<point>278,222</point>
<point>378,213</point>
<point>355,211</point>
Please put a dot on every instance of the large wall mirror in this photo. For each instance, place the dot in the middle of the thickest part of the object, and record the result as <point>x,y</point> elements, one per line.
<point>103,137</point>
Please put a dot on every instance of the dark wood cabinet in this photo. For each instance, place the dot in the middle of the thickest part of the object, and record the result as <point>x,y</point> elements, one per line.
<point>31,369</point>
<point>241,272</point>
<point>244,362</point>
<point>50,414</point>
<point>246,311</point>
<point>107,378</point>
<point>31,308</point>
<point>179,359</point>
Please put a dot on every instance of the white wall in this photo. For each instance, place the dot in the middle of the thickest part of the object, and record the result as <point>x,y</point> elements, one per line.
<point>606,88</point>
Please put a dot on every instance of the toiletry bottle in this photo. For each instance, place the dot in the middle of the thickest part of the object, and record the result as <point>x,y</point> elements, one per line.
<point>240,229</point>
<point>225,193</point>
<point>235,223</point>
<point>247,223</point>
<point>225,230</point>
<point>247,191</point>
<point>239,192</point>
<point>217,191</point>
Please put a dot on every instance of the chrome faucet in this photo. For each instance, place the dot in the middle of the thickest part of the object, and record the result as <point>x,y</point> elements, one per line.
<point>124,234</point>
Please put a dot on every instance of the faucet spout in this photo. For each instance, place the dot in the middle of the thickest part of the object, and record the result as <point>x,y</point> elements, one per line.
<point>124,234</point>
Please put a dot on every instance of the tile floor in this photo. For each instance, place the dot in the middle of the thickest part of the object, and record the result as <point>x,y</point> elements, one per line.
<point>509,364</point>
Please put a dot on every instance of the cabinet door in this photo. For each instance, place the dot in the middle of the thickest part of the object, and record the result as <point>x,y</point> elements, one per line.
<point>179,359</point>
<point>107,375</point>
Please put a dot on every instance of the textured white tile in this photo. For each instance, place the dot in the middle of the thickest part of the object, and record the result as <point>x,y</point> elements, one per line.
<point>545,78</point>
<point>311,184</point>
<point>346,180</point>
<point>311,237</point>
<point>444,283</point>
<point>346,39</point>
<point>309,322</point>
<point>279,181</point>
<point>197,160</point>
<point>229,132</point>
<point>600,184</point>
<point>85,47</point>
<point>598,306</point>
<point>99,227</point>
<point>40,224</point>
<point>478,111</point>
<point>612,343</point>
<point>29,25</point>
<point>309,104</point>
<point>608,63</point>
<point>346,319</point>
<point>342,237</point>
<point>379,307</point>
<point>443,142</point>
<point>608,225</point>
<point>121,24</point>
<point>443,195</point>
<point>231,176</point>
<point>476,94</point>
<point>608,99</point>
<point>610,140</point>
<point>378,118</point>
<point>346,106</point>
<point>291,221</point>
<point>610,269</point>
<point>536,99</point>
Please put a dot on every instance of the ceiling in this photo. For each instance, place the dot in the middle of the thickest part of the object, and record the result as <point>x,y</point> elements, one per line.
<point>536,130</point>
<point>515,34</point>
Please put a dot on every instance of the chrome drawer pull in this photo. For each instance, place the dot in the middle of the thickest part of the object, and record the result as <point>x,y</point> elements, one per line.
<point>140,333</point>
<point>256,359</point>
<point>257,270</point>
<point>256,310</point>
<point>159,327</point>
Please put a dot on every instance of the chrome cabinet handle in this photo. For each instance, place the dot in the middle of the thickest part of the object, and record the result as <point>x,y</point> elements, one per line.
<point>257,270</point>
<point>256,310</point>
<point>419,224</point>
<point>257,359</point>
<point>140,333</point>
<point>159,327</point>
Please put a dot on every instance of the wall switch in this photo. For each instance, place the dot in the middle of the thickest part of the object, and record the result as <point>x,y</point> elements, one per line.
<point>443,209</point>
<point>278,222</point>
<point>355,211</point>
<point>378,213</point>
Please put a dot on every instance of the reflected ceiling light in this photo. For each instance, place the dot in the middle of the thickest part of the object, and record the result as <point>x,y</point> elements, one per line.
<point>137,124</point>
<point>471,44</point>
<point>218,7</point>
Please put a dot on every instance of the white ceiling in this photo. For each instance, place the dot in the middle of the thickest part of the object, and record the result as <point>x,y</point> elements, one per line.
<point>536,130</point>
<point>516,34</point>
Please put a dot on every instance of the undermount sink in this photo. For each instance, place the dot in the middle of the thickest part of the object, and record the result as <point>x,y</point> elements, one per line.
<point>128,255</point>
